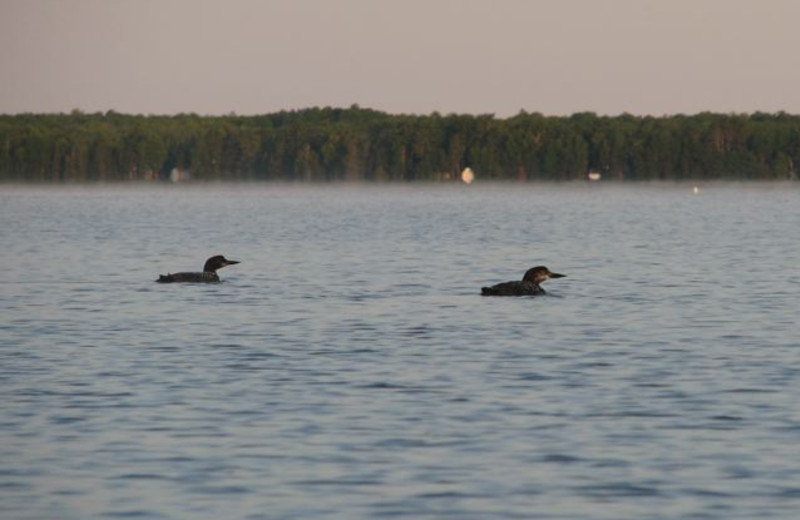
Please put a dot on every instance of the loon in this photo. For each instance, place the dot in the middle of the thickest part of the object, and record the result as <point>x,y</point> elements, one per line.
<point>208,275</point>
<point>528,286</point>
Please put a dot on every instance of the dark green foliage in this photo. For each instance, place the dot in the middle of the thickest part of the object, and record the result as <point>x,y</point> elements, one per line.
<point>355,144</point>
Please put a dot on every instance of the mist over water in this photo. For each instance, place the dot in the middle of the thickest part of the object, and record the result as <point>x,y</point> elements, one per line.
<point>348,367</point>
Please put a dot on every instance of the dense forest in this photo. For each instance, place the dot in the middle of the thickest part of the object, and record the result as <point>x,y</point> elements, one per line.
<point>355,144</point>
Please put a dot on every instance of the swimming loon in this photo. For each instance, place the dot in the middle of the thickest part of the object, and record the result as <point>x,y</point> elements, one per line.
<point>208,275</point>
<point>528,286</point>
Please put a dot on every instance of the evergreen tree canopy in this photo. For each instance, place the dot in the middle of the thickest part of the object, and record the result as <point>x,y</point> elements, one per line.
<point>355,144</point>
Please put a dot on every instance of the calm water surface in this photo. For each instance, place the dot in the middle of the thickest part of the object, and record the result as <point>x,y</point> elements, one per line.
<point>348,368</point>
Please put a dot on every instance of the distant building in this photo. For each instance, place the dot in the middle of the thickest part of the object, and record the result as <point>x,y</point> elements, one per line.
<point>467,175</point>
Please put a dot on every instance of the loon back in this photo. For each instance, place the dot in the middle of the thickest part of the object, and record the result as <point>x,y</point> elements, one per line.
<point>513,289</point>
<point>203,277</point>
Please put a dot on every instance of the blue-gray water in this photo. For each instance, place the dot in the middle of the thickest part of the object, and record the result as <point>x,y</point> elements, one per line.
<point>348,368</point>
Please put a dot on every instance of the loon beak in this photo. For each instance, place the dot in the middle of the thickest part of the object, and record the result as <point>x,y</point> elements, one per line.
<point>556,275</point>
<point>232,262</point>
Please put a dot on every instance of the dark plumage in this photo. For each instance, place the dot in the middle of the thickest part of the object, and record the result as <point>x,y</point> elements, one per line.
<point>529,286</point>
<point>208,275</point>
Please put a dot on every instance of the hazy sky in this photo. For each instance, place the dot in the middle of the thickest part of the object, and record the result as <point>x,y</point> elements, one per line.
<point>400,56</point>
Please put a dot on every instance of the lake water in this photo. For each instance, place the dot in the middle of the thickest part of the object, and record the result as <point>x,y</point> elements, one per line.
<point>348,367</point>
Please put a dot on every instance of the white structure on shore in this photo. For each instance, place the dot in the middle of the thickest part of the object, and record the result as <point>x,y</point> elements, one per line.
<point>467,175</point>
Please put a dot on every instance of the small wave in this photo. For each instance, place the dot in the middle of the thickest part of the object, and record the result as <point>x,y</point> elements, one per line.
<point>619,489</point>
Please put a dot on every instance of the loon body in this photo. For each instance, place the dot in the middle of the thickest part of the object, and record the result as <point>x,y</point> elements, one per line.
<point>209,274</point>
<point>529,286</point>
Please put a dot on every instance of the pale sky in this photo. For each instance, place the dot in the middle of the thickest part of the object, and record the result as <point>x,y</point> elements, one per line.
<point>400,56</point>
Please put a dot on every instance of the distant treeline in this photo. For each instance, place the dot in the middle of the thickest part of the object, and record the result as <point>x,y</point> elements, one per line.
<point>355,144</point>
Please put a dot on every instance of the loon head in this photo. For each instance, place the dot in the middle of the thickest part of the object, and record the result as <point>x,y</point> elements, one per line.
<point>217,262</point>
<point>539,274</point>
